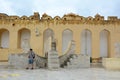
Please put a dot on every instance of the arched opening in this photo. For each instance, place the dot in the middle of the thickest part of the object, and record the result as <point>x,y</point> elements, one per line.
<point>104,43</point>
<point>67,36</point>
<point>86,37</point>
<point>24,39</point>
<point>48,36</point>
<point>4,38</point>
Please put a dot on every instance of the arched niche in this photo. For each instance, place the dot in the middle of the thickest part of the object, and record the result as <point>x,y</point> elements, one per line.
<point>67,36</point>
<point>4,38</point>
<point>104,43</point>
<point>86,42</point>
<point>24,36</point>
<point>48,35</point>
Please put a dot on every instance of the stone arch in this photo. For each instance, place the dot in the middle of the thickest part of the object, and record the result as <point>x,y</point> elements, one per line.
<point>24,17</point>
<point>105,30</point>
<point>48,35</point>
<point>4,38</point>
<point>24,36</point>
<point>57,18</point>
<point>67,36</point>
<point>86,42</point>
<point>104,43</point>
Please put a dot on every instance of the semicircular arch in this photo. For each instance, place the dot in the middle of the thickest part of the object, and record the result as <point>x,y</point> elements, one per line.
<point>4,38</point>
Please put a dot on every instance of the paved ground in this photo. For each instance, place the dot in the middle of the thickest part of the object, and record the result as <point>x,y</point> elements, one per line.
<point>61,74</point>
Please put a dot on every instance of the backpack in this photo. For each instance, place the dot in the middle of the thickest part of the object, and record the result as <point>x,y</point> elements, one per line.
<point>33,55</point>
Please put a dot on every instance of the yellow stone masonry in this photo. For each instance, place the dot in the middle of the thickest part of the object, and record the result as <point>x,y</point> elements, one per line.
<point>73,22</point>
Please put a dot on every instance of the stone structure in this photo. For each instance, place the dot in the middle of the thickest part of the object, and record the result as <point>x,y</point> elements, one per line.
<point>93,36</point>
<point>20,61</point>
<point>53,59</point>
<point>117,50</point>
<point>79,61</point>
<point>111,63</point>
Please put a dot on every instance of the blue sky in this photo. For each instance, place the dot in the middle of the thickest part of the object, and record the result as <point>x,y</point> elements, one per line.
<point>60,7</point>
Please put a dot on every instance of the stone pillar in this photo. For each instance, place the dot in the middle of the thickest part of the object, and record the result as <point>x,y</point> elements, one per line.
<point>53,59</point>
<point>111,45</point>
<point>95,47</point>
<point>13,36</point>
<point>76,38</point>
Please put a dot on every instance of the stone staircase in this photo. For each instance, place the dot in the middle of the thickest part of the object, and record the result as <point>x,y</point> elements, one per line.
<point>41,62</point>
<point>52,61</point>
<point>64,59</point>
<point>20,61</point>
<point>72,60</point>
<point>78,61</point>
<point>69,53</point>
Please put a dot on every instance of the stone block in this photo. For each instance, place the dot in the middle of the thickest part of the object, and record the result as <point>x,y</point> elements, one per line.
<point>53,60</point>
<point>111,63</point>
<point>82,61</point>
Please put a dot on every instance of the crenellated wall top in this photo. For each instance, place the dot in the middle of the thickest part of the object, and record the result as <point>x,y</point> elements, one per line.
<point>67,18</point>
<point>36,16</point>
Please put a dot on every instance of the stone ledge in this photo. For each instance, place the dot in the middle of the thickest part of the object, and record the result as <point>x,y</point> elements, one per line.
<point>111,63</point>
<point>3,60</point>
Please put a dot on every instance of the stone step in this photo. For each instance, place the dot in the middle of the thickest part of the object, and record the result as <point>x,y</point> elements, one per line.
<point>53,60</point>
<point>79,62</point>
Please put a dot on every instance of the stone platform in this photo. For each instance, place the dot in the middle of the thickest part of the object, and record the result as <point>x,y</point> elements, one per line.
<point>111,63</point>
<point>61,74</point>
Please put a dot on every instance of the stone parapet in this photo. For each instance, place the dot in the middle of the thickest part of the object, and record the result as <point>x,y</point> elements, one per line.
<point>70,18</point>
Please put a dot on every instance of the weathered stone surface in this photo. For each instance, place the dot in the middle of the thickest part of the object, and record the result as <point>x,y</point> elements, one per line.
<point>81,61</point>
<point>53,60</point>
<point>106,62</point>
<point>20,61</point>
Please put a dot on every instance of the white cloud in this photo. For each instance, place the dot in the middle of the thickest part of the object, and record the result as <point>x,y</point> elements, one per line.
<point>5,7</point>
<point>54,7</point>
<point>60,11</point>
<point>84,8</point>
<point>61,7</point>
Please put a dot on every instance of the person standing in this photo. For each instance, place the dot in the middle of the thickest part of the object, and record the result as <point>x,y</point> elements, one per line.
<point>31,56</point>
